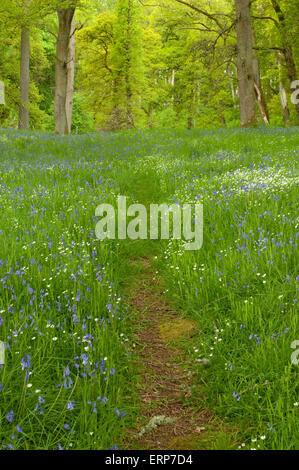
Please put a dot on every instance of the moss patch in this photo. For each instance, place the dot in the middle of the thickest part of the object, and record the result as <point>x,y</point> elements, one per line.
<point>175,330</point>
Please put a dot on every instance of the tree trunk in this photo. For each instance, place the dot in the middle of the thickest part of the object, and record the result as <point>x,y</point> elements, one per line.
<point>231,83</point>
<point>261,103</point>
<point>259,94</point>
<point>24,79</point>
<point>71,77</point>
<point>282,93</point>
<point>287,47</point>
<point>64,74</point>
<point>245,64</point>
<point>129,93</point>
<point>172,78</point>
<point>284,103</point>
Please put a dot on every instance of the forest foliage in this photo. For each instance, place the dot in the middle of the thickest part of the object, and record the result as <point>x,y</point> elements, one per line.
<point>167,63</point>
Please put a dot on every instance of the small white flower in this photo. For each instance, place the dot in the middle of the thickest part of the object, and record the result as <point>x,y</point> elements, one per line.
<point>263,437</point>
<point>55,338</point>
<point>29,385</point>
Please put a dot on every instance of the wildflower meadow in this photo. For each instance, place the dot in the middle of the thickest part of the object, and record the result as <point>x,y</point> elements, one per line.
<point>68,378</point>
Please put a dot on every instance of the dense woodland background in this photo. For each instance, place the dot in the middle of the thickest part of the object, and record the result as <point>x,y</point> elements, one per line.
<point>83,66</point>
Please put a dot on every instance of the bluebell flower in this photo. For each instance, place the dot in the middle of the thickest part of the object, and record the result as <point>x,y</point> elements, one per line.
<point>26,362</point>
<point>85,359</point>
<point>68,383</point>
<point>70,405</point>
<point>9,416</point>
<point>121,414</point>
<point>66,373</point>
<point>257,339</point>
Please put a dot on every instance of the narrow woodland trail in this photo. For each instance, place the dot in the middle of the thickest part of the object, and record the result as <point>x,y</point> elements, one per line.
<point>166,419</point>
<point>170,415</point>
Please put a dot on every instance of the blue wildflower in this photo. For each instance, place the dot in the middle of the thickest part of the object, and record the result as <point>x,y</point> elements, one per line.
<point>9,416</point>
<point>70,405</point>
<point>121,414</point>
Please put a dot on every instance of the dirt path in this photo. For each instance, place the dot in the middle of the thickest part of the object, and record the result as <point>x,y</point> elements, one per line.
<point>166,421</point>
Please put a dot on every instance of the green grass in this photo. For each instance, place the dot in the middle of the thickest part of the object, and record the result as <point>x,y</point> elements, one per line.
<point>63,293</point>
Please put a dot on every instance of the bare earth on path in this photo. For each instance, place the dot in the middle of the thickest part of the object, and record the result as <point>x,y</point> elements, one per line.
<point>166,419</point>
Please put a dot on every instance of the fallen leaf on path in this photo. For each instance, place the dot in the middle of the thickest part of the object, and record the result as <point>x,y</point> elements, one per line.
<point>199,429</point>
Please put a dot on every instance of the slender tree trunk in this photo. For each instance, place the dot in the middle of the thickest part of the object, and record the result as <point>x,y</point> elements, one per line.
<point>172,78</point>
<point>24,79</point>
<point>71,76</point>
<point>261,103</point>
<point>284,103</point>
<point>221,114</point>
<point>282,93</point>
<point>245,64</point>
<point>64,74</point>
<point>129,93</point>
<point>259,94</point>
<point>291,71</point>
<point>233,92</point>
<point>287,47</point>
